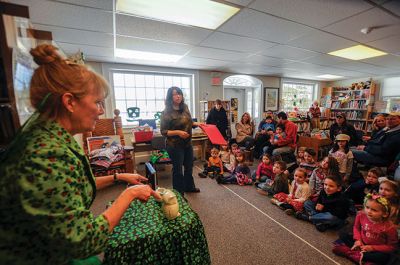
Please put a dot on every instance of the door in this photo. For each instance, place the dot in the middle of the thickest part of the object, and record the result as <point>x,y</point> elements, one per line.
<point>240,94</point>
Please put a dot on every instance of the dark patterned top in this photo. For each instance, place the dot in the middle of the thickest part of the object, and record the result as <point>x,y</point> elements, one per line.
<point>177,120</point>
<point>145,236</point>
<point>47,188</point>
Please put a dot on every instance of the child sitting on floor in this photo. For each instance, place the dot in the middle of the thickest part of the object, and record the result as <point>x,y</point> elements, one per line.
<point>328,166</point>
<point>309,164</point>
<point>240,175</point>
<point>214,166</point>
<point>264,170</point>
<point>375,237</point>
<point>299,193</point>
<point>369,184</point>
<point>279,184</point>
<point>299,159</point>
<point>343,155</point>
<point>331,207</point>
<point>389,189</point>
<point>228,159</point>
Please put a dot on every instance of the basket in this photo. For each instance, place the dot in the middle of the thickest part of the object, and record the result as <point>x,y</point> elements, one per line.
<point>142,136</point>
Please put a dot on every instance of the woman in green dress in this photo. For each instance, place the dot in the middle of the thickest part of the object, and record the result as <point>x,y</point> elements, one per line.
<point>46,182</point>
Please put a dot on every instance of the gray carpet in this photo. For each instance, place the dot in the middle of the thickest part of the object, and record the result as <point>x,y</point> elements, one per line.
<point>243,227</point>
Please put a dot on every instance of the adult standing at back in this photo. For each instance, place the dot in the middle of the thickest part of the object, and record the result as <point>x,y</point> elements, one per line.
<point>176,125</point>
<point>315,112</point>
<point>217,116</point>
<point>288,144</point>
<point>341,126</point>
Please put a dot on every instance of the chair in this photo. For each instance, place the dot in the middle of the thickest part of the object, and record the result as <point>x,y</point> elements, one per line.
<point>133,114</point>
<point>108,127</point>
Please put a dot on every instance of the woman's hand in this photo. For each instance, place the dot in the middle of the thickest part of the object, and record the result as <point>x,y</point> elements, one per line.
<point>361,147</point>
<point>319,207</point>
<point>142,192</point>
<point>183,134</point>
<point>133,179</point>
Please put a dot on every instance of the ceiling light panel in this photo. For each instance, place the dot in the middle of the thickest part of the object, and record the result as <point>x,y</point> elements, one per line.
<point>199,13</point>
<point>357,52</point>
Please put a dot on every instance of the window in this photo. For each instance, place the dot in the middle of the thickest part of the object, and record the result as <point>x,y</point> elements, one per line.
<point>297,95</point>
<point>147,91</point>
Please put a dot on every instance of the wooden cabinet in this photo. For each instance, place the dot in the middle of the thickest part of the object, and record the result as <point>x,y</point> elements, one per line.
<point>320,146</point>
<point>355,102</point>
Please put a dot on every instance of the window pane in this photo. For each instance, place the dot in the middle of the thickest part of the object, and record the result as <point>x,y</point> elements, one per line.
<point>130,93</point>
<point>150,93</point>
<point>139,80</point>
<point>149,81</point>
<point>159,81</point>
<point>118,79</point>
<point>142,105</point>
<point>120,104</point>
<point>160,93</point>
<point>119,92</point>
<point>140,93</point>
<point>129,80</point>
<point>176,81</point>
<point>160,105</point>
<point>185,82</point>
<point>296,95</point>
<point>168,81</point>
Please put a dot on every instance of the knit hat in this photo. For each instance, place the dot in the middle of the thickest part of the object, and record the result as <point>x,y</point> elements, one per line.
<point>342,137</point>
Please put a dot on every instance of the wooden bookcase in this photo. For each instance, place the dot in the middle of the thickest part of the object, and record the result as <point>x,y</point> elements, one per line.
<point>355,102</point>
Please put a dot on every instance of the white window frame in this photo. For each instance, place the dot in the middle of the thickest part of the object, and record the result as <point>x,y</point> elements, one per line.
<point>298,82</point>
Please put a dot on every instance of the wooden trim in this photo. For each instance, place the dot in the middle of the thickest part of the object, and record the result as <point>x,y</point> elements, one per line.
<point>14,10</point>
<point>39,34</point>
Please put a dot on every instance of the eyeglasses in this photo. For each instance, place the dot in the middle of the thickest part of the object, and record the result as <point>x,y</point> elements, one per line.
<point>100,105</point>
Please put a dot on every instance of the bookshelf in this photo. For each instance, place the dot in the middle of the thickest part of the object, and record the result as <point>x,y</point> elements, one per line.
<point>355,102</point>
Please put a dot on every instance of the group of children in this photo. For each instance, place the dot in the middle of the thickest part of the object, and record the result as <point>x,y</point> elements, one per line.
<point>323,194</point>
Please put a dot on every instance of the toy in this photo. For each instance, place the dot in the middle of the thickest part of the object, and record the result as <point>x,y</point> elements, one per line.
<point>170,205</point>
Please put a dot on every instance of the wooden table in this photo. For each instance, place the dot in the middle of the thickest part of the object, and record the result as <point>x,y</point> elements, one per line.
<point>314,143</point>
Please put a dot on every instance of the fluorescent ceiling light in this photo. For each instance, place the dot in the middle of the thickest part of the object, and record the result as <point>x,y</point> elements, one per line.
<point>328,76</point>
<point>357,52</point>
<point>147,56</point>
<point>200,13</point>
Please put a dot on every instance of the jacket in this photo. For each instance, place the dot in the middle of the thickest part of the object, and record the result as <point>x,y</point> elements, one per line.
<point>385,144</point>
<point>336,204</point>
<point>219,119</point>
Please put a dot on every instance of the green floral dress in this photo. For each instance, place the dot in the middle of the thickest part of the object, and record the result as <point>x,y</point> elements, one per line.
<point>47,188</point>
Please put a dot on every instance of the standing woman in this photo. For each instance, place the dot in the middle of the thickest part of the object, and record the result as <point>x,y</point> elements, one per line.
<point>47,186</point>
<point>176,125</point>
<point>245,130</point>
<point>315,115</point>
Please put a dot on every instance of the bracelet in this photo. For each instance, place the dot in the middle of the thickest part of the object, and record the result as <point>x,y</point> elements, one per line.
<point>115,177</point>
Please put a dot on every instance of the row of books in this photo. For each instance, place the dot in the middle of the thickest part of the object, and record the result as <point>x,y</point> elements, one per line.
<point>354,104</point>
<point>351,115</point>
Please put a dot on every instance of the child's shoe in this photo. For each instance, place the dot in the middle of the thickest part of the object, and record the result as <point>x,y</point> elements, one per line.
<point>202,175</point>
<point>219,179</point>
<point>262,192</point>
<point>302,216</point>
<point>210,175</point>
<point>289,211</point>
<point>322,227</point>
<point>275,201</point>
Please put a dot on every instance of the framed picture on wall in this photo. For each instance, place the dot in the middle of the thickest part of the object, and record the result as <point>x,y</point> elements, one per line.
<point>271,99</point>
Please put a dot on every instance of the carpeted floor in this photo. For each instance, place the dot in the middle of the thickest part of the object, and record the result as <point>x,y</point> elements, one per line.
<point>243,227</point>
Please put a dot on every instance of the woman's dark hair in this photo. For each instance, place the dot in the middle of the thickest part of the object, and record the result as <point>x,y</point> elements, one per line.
<point>282,115</point>
<point>169,101</point>
<point>336,147</point>
<point>333,166</point>
<point>310,151</point>
<point>281,126</point>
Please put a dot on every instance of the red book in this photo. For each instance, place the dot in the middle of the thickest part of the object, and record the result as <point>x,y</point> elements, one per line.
<point>213,134</point>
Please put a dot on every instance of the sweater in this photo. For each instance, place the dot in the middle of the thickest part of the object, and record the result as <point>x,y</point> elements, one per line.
<point>291,135</point>
<point>316,181</point>
<point>265,170</point>
<point>336,204</point>
<point>385,144</point>
<point>381,236</point>
<point>301,193</point>
<point>243,131</point>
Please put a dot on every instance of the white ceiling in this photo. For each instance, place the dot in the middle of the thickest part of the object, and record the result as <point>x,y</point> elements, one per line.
<point>288,38</point>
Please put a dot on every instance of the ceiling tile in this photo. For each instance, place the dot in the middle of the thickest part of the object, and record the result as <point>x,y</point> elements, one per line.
<point>216,54</point>
<point>100,4</point>
<point>325,59</point>
<point>321,42</point>
<point>235,43</point>
<point>390,44</point>
<point>264,60</point>
<point>288,52</point>
<point>86,49</point>
<point>388,61</point>
<point>393,6</point>
<point>138,44</point>
<point>151,29</point>
<point>240,2</point>
<point>310,12</point>
<point>258,25</point>
<point>201,61</point>
<point>350,27</point>
<point>68,16</point>
<point>365,68</point>
<point>74,36</point>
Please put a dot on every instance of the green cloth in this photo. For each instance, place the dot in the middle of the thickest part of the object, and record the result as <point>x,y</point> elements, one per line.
<point>94,260</point>
<point>145,236</point>
<point>46,190</point>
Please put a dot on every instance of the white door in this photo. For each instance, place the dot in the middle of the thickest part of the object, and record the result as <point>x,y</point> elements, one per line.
<point>240,94</point>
